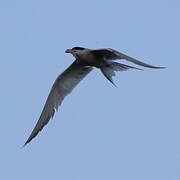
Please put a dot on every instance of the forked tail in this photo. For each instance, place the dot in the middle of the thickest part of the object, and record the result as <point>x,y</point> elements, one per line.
<point>109,69</point>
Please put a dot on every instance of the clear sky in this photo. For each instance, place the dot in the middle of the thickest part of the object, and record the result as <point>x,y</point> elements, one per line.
<point>100,132</point>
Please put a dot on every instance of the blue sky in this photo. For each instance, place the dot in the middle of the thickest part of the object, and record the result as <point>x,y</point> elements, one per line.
<point>100,132</point>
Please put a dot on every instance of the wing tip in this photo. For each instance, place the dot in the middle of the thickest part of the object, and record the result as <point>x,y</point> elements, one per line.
<point>157,67</point>
<point>32,136</point>
<point>28,141</point>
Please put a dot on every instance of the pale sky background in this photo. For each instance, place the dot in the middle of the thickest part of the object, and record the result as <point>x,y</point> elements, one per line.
<point>100,132</point>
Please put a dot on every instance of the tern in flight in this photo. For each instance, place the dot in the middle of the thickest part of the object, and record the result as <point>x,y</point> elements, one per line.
<point>85,60</point>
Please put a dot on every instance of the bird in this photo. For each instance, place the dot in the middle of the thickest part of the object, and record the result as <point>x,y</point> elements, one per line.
<point>85,61</point>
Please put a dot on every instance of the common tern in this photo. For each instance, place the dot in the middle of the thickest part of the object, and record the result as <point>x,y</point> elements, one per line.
<point>85,60</point>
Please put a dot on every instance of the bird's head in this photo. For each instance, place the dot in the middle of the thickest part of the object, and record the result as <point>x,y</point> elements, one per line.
<point>75,51</point>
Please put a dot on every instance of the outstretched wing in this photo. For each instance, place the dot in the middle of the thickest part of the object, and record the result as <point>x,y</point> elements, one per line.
<point>111,54</point>
<point>62,86</point>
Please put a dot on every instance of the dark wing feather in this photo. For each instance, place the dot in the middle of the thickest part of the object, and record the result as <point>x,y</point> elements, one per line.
<point>111,54</point>
<point>62,86</point>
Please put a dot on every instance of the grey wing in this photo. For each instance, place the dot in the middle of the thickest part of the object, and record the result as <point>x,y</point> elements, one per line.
<point>62,86</point>
<point>111,54</point>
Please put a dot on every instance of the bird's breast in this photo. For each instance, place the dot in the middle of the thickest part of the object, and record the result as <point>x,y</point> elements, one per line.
<point>90,60</point>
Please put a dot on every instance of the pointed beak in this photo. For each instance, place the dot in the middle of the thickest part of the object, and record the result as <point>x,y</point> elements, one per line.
<point>68,50</point>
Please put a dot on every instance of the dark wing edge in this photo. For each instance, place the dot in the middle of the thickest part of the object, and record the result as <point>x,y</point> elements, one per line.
<point>111,54</point>
<point>62,86</point>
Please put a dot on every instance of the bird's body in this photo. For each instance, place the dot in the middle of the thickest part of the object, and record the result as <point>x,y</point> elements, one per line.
<point>85,60</point>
